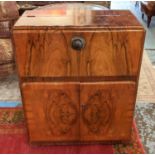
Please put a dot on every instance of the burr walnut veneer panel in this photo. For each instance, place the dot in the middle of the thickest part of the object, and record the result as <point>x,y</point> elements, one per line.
<point>52,111</point>
<point>79,112</point>
<point>106,110</point>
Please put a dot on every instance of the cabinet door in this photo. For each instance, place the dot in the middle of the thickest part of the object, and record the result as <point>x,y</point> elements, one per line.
<point>42,53</point>
<point>113,53</point>
<point>106,111</point>
<point>52,111</point>
<point>49,53</point>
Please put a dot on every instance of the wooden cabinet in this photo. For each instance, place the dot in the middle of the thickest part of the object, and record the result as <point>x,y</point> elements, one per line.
<point>78,67</point>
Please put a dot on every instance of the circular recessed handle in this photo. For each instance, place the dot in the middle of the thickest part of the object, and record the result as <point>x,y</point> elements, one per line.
<point>78,43</point>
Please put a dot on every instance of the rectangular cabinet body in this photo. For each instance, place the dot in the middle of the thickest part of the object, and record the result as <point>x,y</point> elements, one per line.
<point>78,67</point>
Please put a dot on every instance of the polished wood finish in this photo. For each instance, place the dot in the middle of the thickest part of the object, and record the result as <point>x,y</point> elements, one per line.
<point>78,67</point>
<point>55,57</point>
<point>71,16</point>
<point>53,116</point>
<point>106,110</point>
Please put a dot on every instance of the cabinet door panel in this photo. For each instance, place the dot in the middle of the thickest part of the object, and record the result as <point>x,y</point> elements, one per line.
<point>115,53</point>
<point>106,111</point>
<point>42,53</point>
<point>49,53</point>
<point>52,111</point>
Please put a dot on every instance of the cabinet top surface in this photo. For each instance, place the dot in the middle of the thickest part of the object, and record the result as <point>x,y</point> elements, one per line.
<point>76,15</point>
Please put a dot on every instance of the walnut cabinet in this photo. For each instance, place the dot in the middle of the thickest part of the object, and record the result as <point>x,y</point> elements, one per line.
<point>78,67</point>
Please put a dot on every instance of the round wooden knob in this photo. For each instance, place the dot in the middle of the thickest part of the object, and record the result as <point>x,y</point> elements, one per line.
<point>78,43</point>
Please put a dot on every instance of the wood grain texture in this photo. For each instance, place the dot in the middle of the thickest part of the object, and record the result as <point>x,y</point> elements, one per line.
<point>106,110</point>
<point>52,111</point>
<point>73,112</point>
<point>42,53</point>
<point>48,53</point>
<point>73,16</point>
<point>114,53</point>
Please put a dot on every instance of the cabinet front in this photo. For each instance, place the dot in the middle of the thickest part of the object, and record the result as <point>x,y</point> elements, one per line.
<point>52,111</point>
<point>64,53</point>
<point>106,111</point>
<point>74,112</point>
